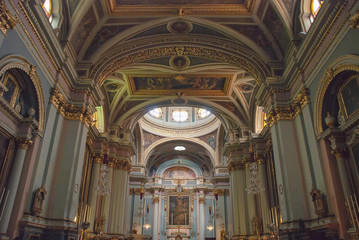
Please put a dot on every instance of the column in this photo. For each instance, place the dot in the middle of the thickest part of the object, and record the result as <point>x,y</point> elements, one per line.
<point>293,198</point>
<point>251,204</point>
<point>14,179</point>
<point>264,194</point>
<point>220,208</point>
<point>105,211</point>
<point>155,217</point>
<point>118,197</point>
<point>62,197</point>
<point>343,173</point>
<point>201,217</point>
<point>92,202</point>
<point>235,200</point>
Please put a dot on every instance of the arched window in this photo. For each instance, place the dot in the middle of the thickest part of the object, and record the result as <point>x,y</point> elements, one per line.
<point>180,115</point>
<point>314,7</point>
<point>47,7</point>
<point>309,11</point>
<point>156,113</point>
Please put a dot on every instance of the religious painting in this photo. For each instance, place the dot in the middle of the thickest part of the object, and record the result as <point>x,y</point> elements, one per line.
<point>179,173</point>
<point>179,210</point>
<point>195,85</point>
<point>349,96</point>
<point>83,30</point>
<point>355,156</point>
<point>5,145</point>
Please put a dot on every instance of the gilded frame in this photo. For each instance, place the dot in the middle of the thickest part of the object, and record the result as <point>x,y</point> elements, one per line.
<point>16,90</point>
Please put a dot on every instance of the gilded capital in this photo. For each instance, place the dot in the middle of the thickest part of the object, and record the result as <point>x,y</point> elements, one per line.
<point>156,199</point>
<point>23,143</point>
<point>7,21</point>
<point>97,157</point>
<point>221,192</point>
<point>201,200</point>
<point>260,161</point>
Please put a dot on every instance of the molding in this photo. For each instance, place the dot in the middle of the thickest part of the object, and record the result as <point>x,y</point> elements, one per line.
<point>354,21</point>
<point>344,63</point>
<point>289,112</point>
<point>70,111</point>
<point>7,21</point>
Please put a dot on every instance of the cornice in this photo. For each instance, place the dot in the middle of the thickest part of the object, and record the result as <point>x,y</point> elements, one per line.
<point>168,131</point>
<point>70,111</point>
<point>291,111</point>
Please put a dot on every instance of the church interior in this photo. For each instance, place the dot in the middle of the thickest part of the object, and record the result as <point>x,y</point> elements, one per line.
<point>179,119</point>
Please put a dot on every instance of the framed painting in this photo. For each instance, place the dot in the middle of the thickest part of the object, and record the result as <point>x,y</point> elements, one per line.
<point>179,210</point>
<point>349,96</point>
<point>191,85</point>
<point>6,152</point>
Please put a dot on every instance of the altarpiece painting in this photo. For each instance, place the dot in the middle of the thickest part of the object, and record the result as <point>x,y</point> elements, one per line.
<point>179,210</point>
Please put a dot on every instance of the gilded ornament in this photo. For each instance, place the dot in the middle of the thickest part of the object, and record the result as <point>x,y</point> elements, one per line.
<point>23,143</point>
<point>7,21</point>
<point>156,199</point>
<point>289,112</point>
<point>70,111</point>
<point>354,21</point>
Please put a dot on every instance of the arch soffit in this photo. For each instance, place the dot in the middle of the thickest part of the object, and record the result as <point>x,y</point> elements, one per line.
<point>174,163</point>
<point>120,38</point>
<point>149,150</point>
<point>128,122</point>
<point>344,63</point>
<point>236,55</point>
<point>19,62</point>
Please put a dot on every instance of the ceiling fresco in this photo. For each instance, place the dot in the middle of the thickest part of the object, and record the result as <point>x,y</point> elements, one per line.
<point>187,84</point>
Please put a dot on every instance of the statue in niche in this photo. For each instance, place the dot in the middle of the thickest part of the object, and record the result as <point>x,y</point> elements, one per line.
<point>318,202</point>
<point>99,225</point>
<point>257,226</point>
<point>224,235</point>
<point>37,206</point>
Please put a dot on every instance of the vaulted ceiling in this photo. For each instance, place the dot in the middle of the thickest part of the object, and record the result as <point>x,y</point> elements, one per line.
<point>209,53</point>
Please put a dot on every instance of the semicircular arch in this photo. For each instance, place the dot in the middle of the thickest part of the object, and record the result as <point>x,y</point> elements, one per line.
<point>206,47</point>
<point>19,62</point>
<point>156,144</point>
<point>344,63</point>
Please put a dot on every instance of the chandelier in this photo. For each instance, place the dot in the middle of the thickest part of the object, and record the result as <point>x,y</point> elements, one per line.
<point>102,187</point>
<point>254,184</point>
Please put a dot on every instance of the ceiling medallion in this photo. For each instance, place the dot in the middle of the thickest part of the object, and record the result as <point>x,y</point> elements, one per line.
<point>245,87</point>
<point>179,62</point>
<point>112,86</point>
<point>179,26</point>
